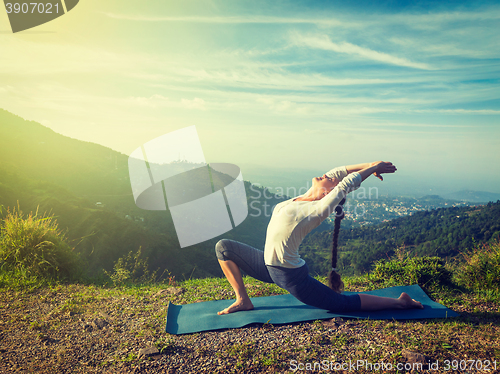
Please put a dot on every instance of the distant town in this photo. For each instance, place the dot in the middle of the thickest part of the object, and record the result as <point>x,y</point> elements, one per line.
<point>361,212</point>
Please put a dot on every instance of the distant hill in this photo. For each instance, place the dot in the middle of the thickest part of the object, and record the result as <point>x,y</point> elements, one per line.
<point>430,198</point>
<point>473,196</point>
<point>36,152</point>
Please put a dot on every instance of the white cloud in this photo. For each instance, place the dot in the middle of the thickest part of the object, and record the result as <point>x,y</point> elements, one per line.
<point>440,49</point>
<point>196,103</point>
<point>244,77</point>
<point>324,42</point>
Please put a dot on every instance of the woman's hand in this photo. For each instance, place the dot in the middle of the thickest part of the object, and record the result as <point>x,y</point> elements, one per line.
<point>377,168</point>
<point>382,167</point>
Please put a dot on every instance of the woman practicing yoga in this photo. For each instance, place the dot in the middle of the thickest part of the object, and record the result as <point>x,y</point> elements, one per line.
<point>280,262</point>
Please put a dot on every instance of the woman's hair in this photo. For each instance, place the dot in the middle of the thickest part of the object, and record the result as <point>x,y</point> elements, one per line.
<point>334,280</point>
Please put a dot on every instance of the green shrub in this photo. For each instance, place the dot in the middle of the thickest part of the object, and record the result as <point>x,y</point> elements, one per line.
<point>34,246</point>
<point>481,269</point>
<point>131,269</point>
<point>424,271</point>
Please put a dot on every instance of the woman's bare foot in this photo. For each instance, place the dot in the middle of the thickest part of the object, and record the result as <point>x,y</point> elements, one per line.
<point>408,303</point>
<point>237,306</point>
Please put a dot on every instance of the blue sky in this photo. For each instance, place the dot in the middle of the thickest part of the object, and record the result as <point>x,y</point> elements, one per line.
<point>274,85</point>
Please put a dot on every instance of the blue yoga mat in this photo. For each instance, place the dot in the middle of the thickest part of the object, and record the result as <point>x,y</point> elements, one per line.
<point>282,309</point>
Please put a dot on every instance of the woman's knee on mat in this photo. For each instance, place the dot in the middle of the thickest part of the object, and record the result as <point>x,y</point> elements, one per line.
<point>221,247</point>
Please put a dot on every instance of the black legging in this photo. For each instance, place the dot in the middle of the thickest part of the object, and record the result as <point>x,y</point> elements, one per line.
<point>296,281</point>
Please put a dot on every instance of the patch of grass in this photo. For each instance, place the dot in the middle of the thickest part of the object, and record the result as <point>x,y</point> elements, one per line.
<point>165,344</point>
<point>132,268</point>
<point>129,358</point>
<point>21,278</point>
<point>428,272</point>
<point>339,340</point>
<point>76,303</point>
<point>33,248</point>
<point>272,358</point>
<point>480,271</point>
<point>35,325</point>
<point>243,352</point>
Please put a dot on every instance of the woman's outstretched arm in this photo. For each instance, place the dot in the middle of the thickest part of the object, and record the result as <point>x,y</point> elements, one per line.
<point>357,167</point>
<point>340,172</point>
<point>370,166</point>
